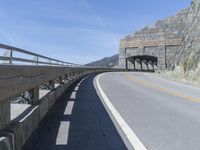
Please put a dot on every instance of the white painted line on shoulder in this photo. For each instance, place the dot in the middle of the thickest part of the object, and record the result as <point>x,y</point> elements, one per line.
<point>131,136</point>
<point>69,108</point>
<point>63,133</point>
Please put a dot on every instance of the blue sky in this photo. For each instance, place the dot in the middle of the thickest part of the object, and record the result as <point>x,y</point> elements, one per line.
<point>78,31</point>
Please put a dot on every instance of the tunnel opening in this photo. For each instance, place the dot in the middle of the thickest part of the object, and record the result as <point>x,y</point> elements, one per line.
<point>141,63</point>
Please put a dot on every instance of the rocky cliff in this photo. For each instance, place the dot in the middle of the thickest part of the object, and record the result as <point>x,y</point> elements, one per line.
<point>182,29</point>
<point>188,55</point>
<point>161,40</point>
<point>170,27</point>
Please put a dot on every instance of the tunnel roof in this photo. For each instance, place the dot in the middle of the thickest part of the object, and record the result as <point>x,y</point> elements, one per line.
<point>144,57</point>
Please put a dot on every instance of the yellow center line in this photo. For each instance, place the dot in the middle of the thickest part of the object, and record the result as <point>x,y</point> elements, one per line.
<point>159,88</point>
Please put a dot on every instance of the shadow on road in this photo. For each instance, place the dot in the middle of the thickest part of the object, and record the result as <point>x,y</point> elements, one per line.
<point>78,121</point>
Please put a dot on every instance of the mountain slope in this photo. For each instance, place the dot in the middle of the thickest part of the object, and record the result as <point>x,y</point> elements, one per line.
<point>189,52</point>
<point>106,62</point>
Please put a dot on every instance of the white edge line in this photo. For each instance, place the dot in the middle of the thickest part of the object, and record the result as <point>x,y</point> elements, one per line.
<point>131,136</point>
<point>63,133</point>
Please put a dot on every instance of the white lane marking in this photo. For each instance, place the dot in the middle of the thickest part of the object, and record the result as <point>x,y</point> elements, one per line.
<point>131,136</point>
<point>76,88</point>
<point>69,108</point>
<point>63,132</point>
<point>73,95</point>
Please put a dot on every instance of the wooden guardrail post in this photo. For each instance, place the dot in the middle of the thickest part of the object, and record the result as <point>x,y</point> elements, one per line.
<point>4,114</point>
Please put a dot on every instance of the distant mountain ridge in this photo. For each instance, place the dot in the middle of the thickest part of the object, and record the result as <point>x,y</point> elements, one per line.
<point>106,62</point>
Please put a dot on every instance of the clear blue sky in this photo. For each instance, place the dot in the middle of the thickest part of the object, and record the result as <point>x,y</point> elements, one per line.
<point>78,31</point>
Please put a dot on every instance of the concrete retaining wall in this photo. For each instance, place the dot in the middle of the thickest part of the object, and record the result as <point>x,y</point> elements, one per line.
<point>20,129</point>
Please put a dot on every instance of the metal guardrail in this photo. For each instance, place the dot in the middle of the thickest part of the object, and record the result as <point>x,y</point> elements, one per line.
<point>25,81</point>
<point>36,58</point>
<point>19,78</point>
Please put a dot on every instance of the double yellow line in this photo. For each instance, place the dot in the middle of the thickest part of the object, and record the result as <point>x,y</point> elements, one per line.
<point>161,89</point>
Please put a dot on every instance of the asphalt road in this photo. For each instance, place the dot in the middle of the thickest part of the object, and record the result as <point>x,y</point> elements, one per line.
<point>165,115</point>
<point>78,121</point>
<point>159,113</point>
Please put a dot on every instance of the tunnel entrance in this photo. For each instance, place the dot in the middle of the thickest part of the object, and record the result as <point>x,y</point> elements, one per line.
<point>141,63</point>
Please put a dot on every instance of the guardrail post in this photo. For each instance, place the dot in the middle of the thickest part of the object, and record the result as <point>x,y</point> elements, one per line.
<point>74,74</point>
<point>66,78</point>
<point>153,66</point>
<point>50,62</point>
<point>11,56</point>
<point>37,60</point>
<point>52,84</point>
<point>60,80</point>
<point>4,114</point>
<point>34,96</point>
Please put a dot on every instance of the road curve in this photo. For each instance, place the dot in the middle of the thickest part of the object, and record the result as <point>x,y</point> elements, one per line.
<point>78,121</point>
<point>140,110</point>
<point>163,114</point>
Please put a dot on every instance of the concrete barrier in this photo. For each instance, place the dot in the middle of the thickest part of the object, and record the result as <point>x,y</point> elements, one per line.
<point>5,144</point>
<point>17,80</point>
<point>20,129</point>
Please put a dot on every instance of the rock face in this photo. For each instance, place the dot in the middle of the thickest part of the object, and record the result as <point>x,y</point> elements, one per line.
<point>162,41</point>
<point>188,55</point>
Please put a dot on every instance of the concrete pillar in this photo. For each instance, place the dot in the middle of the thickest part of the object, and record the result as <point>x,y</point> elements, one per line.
<point>141,65</point>
<point>137,64</point>
<point>34,96</point>
<point>126,61</point>
<point>4,114</point>
<point>134,64</point>
<point>153,66</point>
<point>130,64</point>
<point>147,65</point>
<point>144,65</point>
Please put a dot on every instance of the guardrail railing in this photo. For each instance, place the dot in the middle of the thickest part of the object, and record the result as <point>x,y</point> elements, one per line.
<point>24,78</point>
<point>37,59</point>
<point>23,72</point>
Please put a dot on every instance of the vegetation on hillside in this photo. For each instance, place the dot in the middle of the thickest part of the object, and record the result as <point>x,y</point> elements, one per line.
<point>106,62</point>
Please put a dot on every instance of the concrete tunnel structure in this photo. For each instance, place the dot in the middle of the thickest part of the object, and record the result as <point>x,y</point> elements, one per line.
<point>141,62</point>
<point>155,46</point>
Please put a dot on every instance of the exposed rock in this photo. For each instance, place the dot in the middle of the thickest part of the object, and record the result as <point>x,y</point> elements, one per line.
<point>171,27</point>
<point>176,38</point>
<point>189,53</point>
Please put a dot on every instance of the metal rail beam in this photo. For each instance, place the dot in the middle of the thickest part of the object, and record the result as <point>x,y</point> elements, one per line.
<point>22,51</point>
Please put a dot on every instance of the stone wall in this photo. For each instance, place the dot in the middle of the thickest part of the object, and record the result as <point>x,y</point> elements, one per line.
<point>161,40</point>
